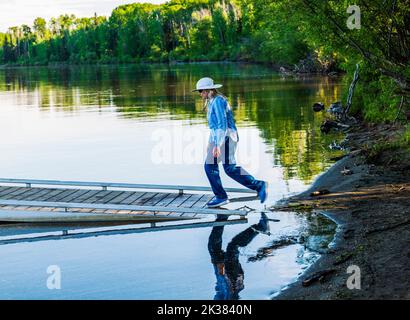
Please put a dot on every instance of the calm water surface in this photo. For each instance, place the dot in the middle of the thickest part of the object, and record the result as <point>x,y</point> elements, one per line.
<point>144,125</point>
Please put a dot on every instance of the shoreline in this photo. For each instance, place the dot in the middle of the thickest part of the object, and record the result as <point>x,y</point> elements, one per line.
<point>370,205</point>
<point>280,69</point>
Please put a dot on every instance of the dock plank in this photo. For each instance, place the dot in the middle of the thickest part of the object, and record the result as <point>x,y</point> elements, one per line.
<point>168,199</point>
<point>2,188</point>
<point>111,196</point>
<point>6,190</point>
<point>12,193</point>
<point>199,202</point>
<point>178,202</point>
<point>135,196</point>
<point>189,203</point>
<point>59,196</point>
<point>151,198</point>
<point>180,199</point>
<point>165,202</point>
<point>74,195</point>
<point>155,201</point>
<point>51,196</point>
<point>36,195</point>
<point>121,197</point>
<point>104,196</point>
<point>84,197</point>
<point>28,193</point>
<point>144,198</point>
<point>192,200</point>
<point>98,196</point>
<point>148,197</point>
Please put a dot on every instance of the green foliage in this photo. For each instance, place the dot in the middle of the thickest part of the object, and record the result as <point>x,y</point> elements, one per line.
<point>281,32</point>
<point>276,37</point>
<point>405,140</point>
<point>179,30</point>
<point>375,96</point>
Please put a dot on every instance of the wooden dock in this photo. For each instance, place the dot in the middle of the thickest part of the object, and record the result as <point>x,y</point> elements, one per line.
<point>75,201</point>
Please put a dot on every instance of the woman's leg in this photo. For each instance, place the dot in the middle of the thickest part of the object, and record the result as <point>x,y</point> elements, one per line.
<point>236,172</point>
<point>212,172</point>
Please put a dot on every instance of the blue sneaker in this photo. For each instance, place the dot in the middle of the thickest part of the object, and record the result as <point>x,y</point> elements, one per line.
<point>216,202</point>
<point>263,225</point>
<point>263,192</point>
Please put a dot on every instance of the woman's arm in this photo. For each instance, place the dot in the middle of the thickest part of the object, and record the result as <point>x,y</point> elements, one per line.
<point>220,127</point>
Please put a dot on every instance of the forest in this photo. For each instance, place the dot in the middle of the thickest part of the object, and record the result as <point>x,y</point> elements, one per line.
<point>297,35</point>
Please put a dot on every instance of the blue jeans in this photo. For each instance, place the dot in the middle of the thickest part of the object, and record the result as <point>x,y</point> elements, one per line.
<point>237,173</point>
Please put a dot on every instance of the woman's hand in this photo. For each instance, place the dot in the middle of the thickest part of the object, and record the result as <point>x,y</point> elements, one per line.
<point>216,152</point>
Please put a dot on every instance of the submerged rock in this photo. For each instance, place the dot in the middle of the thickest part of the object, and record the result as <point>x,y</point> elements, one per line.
<point>336,108</point>
<point>327,125</point>
<point>335,146</point>
<point>318,106</point>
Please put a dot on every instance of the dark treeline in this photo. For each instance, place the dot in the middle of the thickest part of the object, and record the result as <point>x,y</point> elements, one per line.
<point>303,35</point>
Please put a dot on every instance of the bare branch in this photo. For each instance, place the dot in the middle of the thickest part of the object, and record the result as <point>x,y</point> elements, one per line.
<point>400,106</point>
<point>351,91</point>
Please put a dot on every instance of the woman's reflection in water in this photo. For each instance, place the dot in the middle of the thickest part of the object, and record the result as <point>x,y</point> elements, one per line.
<point>228,270</point>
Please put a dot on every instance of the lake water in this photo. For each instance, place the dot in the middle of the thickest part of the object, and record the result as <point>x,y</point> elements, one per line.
<point>142,124</point>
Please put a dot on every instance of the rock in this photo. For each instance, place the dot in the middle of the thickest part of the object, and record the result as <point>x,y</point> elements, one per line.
<point>319,192</point>
<point>335,146</point>
<point>336,108</point>
<point>318,106</point>
<point>346,172</point>
<point>284,71</point>
<point>327,125</point>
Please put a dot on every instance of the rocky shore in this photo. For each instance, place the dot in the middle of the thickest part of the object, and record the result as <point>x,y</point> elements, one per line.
<point>367,193</point>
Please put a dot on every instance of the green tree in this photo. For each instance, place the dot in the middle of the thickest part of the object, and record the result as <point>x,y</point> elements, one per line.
<point>40,29</point>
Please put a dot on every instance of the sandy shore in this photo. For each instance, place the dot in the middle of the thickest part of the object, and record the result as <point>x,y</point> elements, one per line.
<point>371,204</point>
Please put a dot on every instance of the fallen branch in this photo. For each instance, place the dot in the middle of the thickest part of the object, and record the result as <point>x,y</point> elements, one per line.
<point>318,276</point>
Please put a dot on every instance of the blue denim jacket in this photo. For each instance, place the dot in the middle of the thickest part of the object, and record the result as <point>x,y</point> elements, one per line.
<point>221,121</point>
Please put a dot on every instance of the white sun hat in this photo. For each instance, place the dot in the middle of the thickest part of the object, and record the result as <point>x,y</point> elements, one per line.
<point>206,84</point>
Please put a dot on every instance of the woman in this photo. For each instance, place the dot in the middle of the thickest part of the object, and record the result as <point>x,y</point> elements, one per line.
<point>228,270</point>
<point>222,145</point>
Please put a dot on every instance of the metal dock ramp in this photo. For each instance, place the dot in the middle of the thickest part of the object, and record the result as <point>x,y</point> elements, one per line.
<point>75,201</point>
